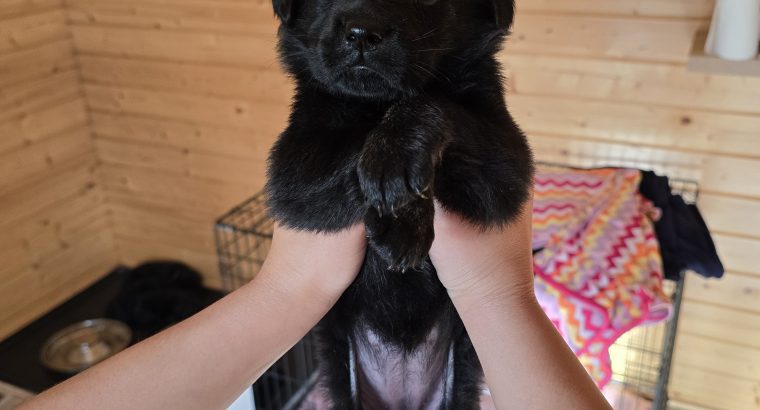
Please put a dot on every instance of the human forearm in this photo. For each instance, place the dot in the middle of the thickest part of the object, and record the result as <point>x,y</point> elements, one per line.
<point>489,277</point>
<point>526,363</point>
<point>206,361</point>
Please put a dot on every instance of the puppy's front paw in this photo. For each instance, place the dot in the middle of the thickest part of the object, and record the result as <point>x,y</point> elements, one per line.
<point>403,240</point>
<point>393,174</point>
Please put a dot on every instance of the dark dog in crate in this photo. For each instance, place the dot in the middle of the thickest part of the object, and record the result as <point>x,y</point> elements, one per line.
<point>398,103</point>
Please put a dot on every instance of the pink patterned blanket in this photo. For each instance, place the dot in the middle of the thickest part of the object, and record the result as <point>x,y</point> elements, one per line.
<point>598,268</point>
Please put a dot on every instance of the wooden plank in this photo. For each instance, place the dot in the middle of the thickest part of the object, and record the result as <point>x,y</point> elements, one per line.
<point>214,197</point>
<point>27,31</point>
<point>26,98</point>
<point>222,49</point>
<point>51,225</point>
<point>701,9</point>
<point>716,390</point>
<point>246,17</point>
<point>602,36</point>
<point>15,259</point>
<point>717,174</point>
<point>163,205</point>
<point>18,167</point>
<point>259,85</point>
<point>36,62</point>
<point>155,226</point>
<point>734,291</point>
<point>627,81</point>
<point>227,141</point>
<point>592,153</point>
<point>43,275</point>
<point>187,107</point>
<point>711,355</point>
<point>718,323</point>
<point>14,8</point>
<point>71,178</point>
<point>681,405</point>
<point>28,129</point>
<point>647,125</point>
<point>738,254</point>
<point>51,243</point>
<point>52,283</point>
<point>731,215</point>
<point>181,161</point>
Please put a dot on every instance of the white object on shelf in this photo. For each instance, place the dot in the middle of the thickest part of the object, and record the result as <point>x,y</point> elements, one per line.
<point>735,30</point>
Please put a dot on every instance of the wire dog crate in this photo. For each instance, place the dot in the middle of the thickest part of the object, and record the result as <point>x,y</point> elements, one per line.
<point>243,237</point>
<point>641,358</point>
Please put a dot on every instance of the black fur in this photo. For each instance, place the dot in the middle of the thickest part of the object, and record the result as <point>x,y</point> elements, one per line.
<point>397,102</point>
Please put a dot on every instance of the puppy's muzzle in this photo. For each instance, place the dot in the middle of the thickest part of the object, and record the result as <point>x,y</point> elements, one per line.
<point>364,35</point>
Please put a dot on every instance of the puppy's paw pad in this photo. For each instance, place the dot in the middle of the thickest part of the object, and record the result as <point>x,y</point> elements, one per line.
<point>391,177</point>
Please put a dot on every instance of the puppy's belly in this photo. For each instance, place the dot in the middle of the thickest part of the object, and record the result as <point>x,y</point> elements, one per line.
<point>389,378</point>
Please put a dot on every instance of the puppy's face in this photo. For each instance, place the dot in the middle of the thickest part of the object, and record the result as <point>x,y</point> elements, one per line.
<point>382,49</point>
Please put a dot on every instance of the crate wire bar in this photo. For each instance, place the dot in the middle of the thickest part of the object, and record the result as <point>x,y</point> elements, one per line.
<point>641,358</point>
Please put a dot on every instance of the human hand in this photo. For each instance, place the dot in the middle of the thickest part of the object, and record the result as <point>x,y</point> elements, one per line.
<point>325,263</point>
<point>481,264</point>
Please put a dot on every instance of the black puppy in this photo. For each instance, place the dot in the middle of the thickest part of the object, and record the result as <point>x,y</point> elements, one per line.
<point>397,102</point>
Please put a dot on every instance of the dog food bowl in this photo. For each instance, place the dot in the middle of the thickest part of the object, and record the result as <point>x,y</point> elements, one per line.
<point>85,344</point>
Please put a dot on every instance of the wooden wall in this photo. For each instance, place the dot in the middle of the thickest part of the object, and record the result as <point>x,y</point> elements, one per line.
<point>54,228</point>
<point>606,79</point>
<point>185,97</point>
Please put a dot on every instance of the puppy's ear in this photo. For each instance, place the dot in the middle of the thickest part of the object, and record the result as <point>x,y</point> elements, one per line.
<point>283,9</point>
<point>504,12</point>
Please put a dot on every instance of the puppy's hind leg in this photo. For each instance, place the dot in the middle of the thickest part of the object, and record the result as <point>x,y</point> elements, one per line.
<point>337,370</point>
<point>468,377</point>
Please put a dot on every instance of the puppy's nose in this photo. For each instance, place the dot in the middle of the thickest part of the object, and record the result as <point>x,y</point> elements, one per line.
<point>363,35</point>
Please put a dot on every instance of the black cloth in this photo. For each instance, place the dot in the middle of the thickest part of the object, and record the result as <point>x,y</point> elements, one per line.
<point>685,240</point>
<point>156,295</point>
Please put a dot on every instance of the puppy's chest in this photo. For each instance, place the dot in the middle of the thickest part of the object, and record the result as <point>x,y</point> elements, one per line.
<point>389,378</point>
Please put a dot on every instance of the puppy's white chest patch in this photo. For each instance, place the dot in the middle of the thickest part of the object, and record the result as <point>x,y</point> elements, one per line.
<point>389,378</point>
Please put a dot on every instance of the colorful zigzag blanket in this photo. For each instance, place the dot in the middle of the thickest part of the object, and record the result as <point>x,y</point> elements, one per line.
<point>598,266</point>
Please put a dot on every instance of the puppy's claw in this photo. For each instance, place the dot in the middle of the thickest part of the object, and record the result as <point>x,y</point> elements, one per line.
<point>424,193</point>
